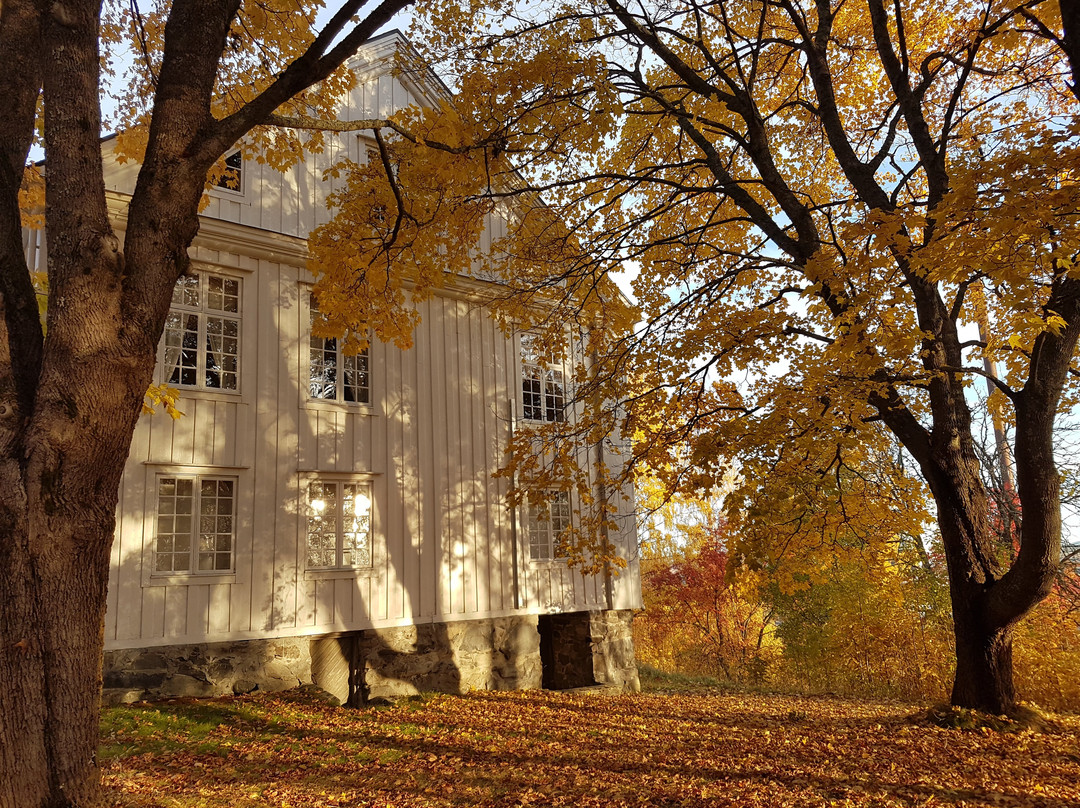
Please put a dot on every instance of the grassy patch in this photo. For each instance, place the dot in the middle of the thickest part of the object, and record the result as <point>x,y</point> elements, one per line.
<point>658,681</point>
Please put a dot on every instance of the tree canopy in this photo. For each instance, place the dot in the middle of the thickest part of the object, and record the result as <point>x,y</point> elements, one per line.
<point>818,202</point>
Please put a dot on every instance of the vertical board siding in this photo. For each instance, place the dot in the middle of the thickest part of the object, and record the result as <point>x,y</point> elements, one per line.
<point>443,544</point>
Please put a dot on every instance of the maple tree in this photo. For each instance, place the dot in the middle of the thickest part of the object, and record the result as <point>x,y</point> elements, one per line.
<point>816,198</point>
<point>194,77</point>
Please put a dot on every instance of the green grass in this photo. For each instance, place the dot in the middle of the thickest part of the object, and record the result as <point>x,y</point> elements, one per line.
<point>658,681</point>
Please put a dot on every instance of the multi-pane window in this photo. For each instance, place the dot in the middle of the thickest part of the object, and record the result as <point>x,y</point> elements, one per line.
<point>196,524</point>
<point>334,374</point>
<point>231,177</point>
<point>543,386</point>
<point>545,523</point>
<point>338,524</point>
<point>202,333</point>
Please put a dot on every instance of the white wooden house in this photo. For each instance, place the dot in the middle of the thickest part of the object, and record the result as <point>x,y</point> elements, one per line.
<point>336,518</point>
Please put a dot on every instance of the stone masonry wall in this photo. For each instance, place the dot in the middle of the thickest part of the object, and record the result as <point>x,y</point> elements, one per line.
<point>500,653</point>
<point>614,663</point>
<point>488,654</point>
<point>207,669</point>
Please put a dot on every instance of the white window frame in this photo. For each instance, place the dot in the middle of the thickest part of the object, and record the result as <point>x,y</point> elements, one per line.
<point>542,385</point>
<point>231,170</point>
<point>202,529</point>
<point>337,522</point>
<point>173,357</point>
<point>331,346</point>
<point>545,523</point>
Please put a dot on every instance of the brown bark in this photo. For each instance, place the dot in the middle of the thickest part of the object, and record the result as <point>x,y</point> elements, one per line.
<point>984,669</point>
<point>68,405</point>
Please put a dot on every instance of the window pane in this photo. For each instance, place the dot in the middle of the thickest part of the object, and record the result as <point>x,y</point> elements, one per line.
<point>531,397</point>
<point>186,291</point>
<point>356,525</point>
<point>170,544</point>
<point>221,349</point>
<point>553,396</point>
<point>560,514</point>
<point>531,349</point>
<point>230,178</point>
<point>322,524</point>
<point>181,347</point>
<point>538,528</point>
<point>323,372</point>
<point>355,388</point>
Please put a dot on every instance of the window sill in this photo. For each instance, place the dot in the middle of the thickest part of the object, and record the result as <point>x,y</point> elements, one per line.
<point>207,393</point>
<point>236,195</point>
<point>190,579</point>
<point>338,573</point>
<point>338,406</point>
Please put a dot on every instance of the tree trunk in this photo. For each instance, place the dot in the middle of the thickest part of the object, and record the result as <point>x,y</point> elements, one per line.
<point>984,670</point>
<point>50,668</point>
<point>57,518</point>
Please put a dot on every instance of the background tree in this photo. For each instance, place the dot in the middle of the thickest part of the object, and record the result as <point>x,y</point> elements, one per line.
<point>199,76</point>
<point>809,192</point>
<point>700,615</point>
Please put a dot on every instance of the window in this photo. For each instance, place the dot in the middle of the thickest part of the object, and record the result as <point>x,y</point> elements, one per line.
<point>545,523</point>
<point>335,375</point>
<point>196,524</point>
<point>543,386</point>
<point>202,333</point>
<point>231,177</point>
<point>338,524</point>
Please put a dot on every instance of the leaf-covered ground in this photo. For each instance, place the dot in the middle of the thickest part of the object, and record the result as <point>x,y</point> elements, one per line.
<point>539,748</point>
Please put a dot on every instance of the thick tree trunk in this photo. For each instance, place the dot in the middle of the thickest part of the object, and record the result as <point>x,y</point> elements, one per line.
<point>50,671</point>
<point>57,517</point>
<point>984,669</point>
<point>984,674</point>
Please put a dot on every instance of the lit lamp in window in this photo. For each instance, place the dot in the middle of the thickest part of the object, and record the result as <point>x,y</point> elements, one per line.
<point>360,503</point>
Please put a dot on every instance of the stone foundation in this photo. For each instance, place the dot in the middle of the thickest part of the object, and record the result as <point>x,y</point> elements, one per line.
<point>585,649</point>
<point>613,658</point>
<point>207,669</point>
<point>502,653</point>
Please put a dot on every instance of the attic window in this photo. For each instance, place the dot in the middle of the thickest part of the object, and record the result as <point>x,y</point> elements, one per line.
<point>231,178</point>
